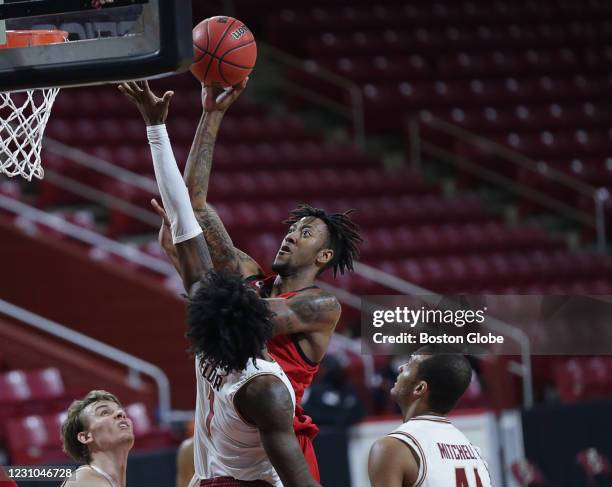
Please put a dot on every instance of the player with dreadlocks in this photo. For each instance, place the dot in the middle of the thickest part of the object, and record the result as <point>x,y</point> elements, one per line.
<point>304,315</point>
<point>245,402</point>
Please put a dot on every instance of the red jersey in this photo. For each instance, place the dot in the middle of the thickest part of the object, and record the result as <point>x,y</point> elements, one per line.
<point>5,481</point>
<point>299,369</point>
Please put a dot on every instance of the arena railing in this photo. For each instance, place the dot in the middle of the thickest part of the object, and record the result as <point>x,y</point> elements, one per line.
<point>106,168</point>
<point>134,365</point>
<point>522,369</point>
<point>420,146</point>
<point>94,163</point>
<point>353,113</point>
<point>165,269</point>
<point>85,235</point>
<point>270,54</point>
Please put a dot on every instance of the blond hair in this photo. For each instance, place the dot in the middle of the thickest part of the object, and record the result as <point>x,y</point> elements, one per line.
<point>74,424</point>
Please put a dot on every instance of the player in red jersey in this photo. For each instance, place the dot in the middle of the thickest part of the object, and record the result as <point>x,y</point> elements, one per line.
<point>245,403</point>
<point>305,316</point>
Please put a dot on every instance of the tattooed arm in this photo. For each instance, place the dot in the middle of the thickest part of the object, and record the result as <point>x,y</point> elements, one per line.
<point>197,177</point>
<point>308,312</point>
<point>208,219</point>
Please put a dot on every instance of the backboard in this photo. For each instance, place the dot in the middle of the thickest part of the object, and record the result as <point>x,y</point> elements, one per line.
<point>126,39</point>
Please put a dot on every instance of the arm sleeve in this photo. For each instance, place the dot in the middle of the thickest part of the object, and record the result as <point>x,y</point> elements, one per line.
<point>172,189</point>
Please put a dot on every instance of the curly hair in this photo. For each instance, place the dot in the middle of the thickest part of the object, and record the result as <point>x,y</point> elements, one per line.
<point>74,424</point>
<point>228,324</point>
<point>344,237</point>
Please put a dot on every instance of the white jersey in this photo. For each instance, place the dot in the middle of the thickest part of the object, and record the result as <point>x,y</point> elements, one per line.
<point>446,457</point>
<point>225,445</point>
<point>98,470</point>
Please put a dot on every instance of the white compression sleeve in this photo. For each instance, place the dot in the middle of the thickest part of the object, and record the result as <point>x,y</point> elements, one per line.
<point>172,189</point>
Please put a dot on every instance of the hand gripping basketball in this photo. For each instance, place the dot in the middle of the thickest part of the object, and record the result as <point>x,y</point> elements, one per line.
<point>215,98</point>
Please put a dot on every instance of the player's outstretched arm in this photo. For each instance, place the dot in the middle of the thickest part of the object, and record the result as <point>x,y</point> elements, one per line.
<point>266,403</point>
<point>191,249</point>
<point>391,464</point>
<point>225,256</point>
<point>309,312</point>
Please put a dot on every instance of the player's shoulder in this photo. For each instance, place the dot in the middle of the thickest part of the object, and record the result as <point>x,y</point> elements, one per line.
<point>266,387</point>
<point>388,452</point>
<point>387,445</point>
<point>265,400</point>
<point>87,477</point>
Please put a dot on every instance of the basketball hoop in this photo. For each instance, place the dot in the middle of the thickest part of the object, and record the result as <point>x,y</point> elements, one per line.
<point>24,115</point>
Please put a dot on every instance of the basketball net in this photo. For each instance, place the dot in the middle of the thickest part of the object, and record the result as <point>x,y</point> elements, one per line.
<point>23,118</point>
<point>24,115</point>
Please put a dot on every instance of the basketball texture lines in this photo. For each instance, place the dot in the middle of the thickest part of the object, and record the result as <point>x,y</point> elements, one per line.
<point>224,51</point>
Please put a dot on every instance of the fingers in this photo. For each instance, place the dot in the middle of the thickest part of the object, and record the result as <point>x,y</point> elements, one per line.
<point>242,85</point>
<point>160,211</point>
<point>209,98</point>
<point>167,96</point>
<point>130,88</point>
<point>135,87</point>
<point>127,91</point>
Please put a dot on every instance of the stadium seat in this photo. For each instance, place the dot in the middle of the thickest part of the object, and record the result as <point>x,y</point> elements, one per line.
<point>30,392</point>
<point>147,435</point>
<point>35,439</point>
<point>14,393</point>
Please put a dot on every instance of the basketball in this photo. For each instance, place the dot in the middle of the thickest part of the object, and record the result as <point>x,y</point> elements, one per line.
<point>224,51</point>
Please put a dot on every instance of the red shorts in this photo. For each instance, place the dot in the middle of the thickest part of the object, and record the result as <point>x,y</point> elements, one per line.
<point>231,482</point>
<point>309,453</point>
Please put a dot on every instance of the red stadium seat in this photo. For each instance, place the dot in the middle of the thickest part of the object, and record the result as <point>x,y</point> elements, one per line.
<point>30,392</point>
<point>147,435</point>
<point>14,392</point>
<point>35,439</point>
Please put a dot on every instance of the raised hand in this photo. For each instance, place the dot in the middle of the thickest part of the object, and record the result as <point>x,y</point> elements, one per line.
<point>153,109</point>
<point>218,99</point>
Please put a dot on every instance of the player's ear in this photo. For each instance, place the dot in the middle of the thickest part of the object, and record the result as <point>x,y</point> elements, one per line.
<point>325,256</point>
<point>421,388</point>
<point>85,437</point>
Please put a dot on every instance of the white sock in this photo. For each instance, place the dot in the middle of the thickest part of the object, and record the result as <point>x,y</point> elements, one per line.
<point>172,189</point>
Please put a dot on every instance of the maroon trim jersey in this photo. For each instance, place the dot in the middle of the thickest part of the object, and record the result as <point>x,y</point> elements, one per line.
<point>298,368</point>
<point>444,454</point>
